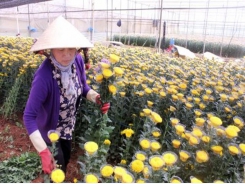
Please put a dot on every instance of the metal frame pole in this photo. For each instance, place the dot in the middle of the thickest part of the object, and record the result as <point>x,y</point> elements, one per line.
<point>17,20</point>
<point>205,30</point>
<point>160,28</point>
<point>223,34</point>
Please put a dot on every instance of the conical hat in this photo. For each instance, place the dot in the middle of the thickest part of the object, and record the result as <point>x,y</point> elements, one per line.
<point>61,34</point>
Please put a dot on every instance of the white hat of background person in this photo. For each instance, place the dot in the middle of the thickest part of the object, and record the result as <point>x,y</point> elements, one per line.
<point>61,34</point>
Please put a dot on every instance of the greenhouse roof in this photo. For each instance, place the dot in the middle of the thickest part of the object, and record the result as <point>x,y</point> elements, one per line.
<point>13,3</point>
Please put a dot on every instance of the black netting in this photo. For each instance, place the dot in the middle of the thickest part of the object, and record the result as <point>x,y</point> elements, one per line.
<point>13,3</point>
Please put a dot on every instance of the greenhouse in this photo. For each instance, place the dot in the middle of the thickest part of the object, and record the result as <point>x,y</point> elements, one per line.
<point>153,92</point>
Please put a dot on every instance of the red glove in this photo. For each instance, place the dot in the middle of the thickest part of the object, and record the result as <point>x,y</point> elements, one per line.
<point>47,161</point>
<point>87,66</point>
<point>104,106</point>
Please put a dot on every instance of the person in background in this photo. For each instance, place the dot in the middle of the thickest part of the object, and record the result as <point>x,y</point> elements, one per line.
<point>56,91</point>
<point>86,57</point>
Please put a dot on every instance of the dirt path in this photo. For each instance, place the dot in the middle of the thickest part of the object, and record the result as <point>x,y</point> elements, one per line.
<point>14,141</point>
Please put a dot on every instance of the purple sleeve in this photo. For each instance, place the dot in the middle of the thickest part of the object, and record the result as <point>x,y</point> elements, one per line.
<point>37,96</point>
<point>82,74</point>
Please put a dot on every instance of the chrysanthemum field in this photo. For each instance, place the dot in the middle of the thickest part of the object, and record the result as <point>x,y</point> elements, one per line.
<point>171,119</point>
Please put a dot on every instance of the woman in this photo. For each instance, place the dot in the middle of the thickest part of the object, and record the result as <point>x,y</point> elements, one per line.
<point>56,91</point>
<point>86,57</point>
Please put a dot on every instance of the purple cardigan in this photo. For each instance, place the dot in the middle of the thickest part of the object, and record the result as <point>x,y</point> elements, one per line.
<point>43,105</point>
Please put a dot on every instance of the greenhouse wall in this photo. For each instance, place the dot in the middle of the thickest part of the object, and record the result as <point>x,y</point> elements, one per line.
<point>217,20</point>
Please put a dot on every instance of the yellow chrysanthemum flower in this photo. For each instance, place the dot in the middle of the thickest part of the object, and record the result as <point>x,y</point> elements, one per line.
<point>179,128</point>
<point>128,132</point>
<point>118,71</point>
<point>148,90</point>
<point>180,95</point>
<point>175,97</point>
<point>91,147</point>
<point>155,146</point>
<point>75,180</point>
<point>147,172</point>
<point>122,94</point>
<point>174,121</point>
<point>183,86</point>
<point>141,93</point>
<point>127,178</point>
<point>57,176</point>
<point>215,121</point>
<point>188,105</point>
<point>156,133</point>
<point>228,109</point>
<point>169,157</point>
<point>107,142</point>
<point>156,118</point>
<point>200,121</point>
<point>150,103</point>
<point>231,98</point>
<point>193,140</point>
<point>234,149</point>
<point>238,121</point>
<point>119,171</point>
<point>195,92</point>
<point>232,131</point>
<point>198,112</point>
<point>163,94</point>
<point>195,180</point>
<point>147,112</point>
<point>104,65</point>
<point>112,89</point>
<point>156,162</point>
<point>223,97</point>
<point>205,98</point>
<point>205,139</point>
<point>242,147</point>
<point>123,162</point>
<point>91,178</point>
<point>120,83</point>
<point>137,166</point>
<point>145,143</point>
<point>88,81</point>
<point>220,131</point>
<point>176,143</point>
<point>107,73</point>
<point>187,135</point>
<point>140,155</point>
<point>53,135</point>
<point>99,77</point>
<point>217,149</point>
<point>209,91</point>
<point>218,181</point>
<point>114,58</point>
<point>197,132</point>
<point>140,181</point>
<point>106,170</point>
<point>172,109</point>
<point>176,179</point>
<point>201,156</point>
<point>202,106</point>
<point>184,155</point>
<point>197,101</point>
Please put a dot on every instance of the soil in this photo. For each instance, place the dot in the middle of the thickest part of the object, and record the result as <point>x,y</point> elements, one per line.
<point>14,141</point>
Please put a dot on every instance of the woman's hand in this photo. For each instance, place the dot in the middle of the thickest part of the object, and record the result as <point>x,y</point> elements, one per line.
<point>104,106</point>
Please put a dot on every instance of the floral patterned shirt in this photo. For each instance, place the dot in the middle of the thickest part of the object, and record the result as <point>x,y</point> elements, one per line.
<point>67,113</point>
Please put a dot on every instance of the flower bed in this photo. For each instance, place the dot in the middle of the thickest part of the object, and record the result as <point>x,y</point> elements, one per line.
<point>170,119</point>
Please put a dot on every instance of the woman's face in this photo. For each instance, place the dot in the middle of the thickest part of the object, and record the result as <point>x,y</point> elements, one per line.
<point>64,55</point>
